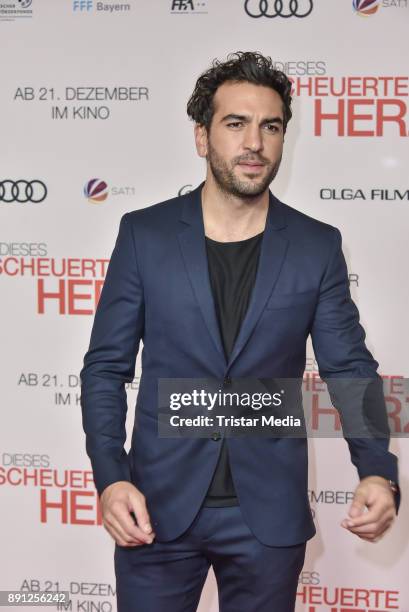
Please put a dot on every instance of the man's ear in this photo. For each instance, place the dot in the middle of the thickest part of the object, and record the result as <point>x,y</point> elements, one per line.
<point>201,140</point>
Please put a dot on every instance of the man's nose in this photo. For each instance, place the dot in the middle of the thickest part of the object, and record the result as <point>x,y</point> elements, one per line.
<point>253,139</point>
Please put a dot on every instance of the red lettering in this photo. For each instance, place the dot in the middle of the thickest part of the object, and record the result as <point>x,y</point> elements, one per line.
<point>395,413</point>
<point>72,296</point>
<point>317,411</point>
<point>27,265</point>
<point>75,507</point>
<point>62,505</point>
<point>318,384</point>
<point>398,117</point>
<point>347,114</point>
<point>67,503</point>
<point>338,116</point>
<point>98,289</point>
<point>353,116</point>
<point>391,598</point>
<point>42,295</point>
<point>68,295</point>
<point>362,596</point>
<point>396,384</point>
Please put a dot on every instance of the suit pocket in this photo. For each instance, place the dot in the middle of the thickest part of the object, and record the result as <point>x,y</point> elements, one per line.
<point>291,300</point>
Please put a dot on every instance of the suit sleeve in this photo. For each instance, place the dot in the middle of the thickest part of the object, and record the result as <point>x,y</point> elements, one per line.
<point>350,372</point>
<point>110,362</point>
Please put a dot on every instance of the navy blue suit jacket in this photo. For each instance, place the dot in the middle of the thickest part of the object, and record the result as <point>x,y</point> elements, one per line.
<point>157,290</point>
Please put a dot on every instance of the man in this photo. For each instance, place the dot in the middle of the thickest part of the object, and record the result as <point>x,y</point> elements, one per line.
<point>224,283</point>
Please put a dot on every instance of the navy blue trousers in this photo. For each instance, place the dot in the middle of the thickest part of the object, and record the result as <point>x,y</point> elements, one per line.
<point>169,576</point>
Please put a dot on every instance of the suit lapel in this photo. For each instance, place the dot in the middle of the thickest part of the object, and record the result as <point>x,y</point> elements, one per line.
<point>273,249</point>
<point>193,246</point>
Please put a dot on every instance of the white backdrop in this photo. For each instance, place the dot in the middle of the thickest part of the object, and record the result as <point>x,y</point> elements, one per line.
<point>58,132</point>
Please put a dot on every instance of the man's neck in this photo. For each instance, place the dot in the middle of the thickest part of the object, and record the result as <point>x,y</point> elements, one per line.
<point>228,218</point>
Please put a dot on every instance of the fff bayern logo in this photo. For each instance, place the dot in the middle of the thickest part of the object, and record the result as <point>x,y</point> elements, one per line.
<point>365,8</point>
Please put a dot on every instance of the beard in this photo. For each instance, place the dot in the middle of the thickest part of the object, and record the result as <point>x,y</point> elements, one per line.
<point>229,183</point>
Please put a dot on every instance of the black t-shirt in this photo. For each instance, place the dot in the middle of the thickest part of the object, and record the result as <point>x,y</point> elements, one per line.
<point>232,270</point>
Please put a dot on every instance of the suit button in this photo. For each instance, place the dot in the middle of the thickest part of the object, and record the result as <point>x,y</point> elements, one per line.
<point>216,436</point>
<point>227,381</point>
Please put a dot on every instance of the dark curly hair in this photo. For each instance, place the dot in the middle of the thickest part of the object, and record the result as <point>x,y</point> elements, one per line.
<point>247,66</point>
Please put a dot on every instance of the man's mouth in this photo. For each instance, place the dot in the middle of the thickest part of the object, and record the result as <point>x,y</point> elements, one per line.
<point>253,166</point>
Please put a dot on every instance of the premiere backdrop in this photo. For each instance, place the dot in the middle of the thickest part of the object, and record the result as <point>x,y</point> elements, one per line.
<point>93,124</point>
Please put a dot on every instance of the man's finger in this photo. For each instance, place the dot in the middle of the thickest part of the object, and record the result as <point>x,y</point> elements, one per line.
<point>374,537</point>
<point>358,505</point>
<point>371,516</point>
<point>118,535</point>
<point>365,529</point>
<point>372,529</point>
<point>112,522</point>
<point>138,506</point>
<point>127,524</point>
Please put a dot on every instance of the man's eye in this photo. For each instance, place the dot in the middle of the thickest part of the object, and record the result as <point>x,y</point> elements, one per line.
<point>272,127</point>
<point>234,124</point>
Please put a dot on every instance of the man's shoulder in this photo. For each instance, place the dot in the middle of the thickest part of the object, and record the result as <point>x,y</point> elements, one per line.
<point>300,223</point>
<point>158,213</point>
<point>296,217</point>
<point>164,214</point>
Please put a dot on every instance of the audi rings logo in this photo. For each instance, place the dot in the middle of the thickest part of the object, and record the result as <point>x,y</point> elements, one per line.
<point>22,191</point>
<point>278,8</point>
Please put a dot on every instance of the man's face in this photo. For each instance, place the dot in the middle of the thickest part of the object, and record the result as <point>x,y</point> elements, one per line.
<point>245,141</point>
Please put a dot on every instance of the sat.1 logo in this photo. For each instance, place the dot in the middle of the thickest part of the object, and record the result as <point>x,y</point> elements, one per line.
<point>365,8</point>
<point>96,191</point>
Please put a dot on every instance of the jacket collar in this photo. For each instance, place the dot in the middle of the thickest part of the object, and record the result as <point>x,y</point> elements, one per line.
<point>193,246</point>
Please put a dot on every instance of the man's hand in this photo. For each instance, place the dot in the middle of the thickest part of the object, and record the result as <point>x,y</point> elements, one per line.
<point>373,493</point>
<point>117,501</point>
